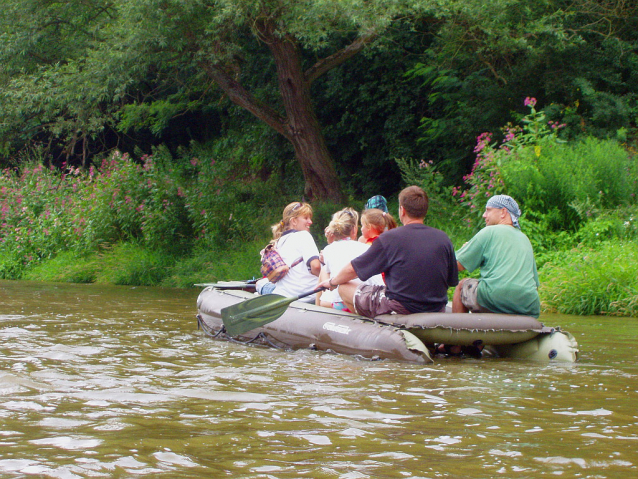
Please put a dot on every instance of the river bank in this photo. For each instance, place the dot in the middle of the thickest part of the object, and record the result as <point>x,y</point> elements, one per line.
<point>160,221</point>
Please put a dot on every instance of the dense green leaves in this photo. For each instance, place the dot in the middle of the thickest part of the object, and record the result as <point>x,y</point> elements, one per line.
<point>78,78</point>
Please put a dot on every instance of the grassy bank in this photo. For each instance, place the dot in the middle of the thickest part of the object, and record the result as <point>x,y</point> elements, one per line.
<point>203,217</point>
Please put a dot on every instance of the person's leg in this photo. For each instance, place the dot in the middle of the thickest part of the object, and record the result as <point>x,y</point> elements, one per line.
<point>457,303</point>
<point>346,291</point>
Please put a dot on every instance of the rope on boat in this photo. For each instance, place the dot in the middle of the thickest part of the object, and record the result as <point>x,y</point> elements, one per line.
<point>201,324</point>
<point>207,330</point>
<point>261,336</point>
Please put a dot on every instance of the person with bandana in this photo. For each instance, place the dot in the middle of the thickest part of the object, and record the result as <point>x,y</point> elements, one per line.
<point>508,280</point>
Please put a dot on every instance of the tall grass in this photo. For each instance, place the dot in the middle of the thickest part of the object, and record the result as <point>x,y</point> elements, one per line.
<point>589,281</point>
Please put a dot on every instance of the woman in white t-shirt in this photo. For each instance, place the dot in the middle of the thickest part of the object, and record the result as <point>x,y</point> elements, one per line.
<point>297,247</point>
<point>343,249</point>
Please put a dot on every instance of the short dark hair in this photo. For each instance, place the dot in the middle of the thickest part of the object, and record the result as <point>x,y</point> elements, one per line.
<point>415,201</point>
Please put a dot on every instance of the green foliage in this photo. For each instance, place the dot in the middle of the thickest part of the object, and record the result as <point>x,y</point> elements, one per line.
<point>579,58</point>
<point>122,264</point>
<point>132,264</point>
<point>570,183</point>
<point>66,267</point>
<point>209,265</point>
<point>592,281</point>
<point>443,211</point>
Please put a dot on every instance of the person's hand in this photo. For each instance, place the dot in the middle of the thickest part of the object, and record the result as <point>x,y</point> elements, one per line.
<point>326,285</point>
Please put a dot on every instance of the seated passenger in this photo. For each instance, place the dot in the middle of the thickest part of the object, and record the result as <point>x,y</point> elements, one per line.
<point>509,280</point>
<point>374,222</point>
<point>343,249</point>
<point>297,248</point>
<point>418,262</point>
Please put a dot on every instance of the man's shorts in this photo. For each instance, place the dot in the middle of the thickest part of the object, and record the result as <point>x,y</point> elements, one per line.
<point>370,301</point>
<point>469,288</point>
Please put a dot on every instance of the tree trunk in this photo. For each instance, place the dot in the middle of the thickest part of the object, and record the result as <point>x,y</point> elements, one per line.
<point>301,124</point>
<point>302,128</point>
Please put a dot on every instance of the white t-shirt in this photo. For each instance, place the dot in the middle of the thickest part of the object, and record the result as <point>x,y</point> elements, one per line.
<point>337,255</point>
<point>292,246</point>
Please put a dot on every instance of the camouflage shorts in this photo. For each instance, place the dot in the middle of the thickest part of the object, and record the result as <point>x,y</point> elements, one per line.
<point>469,289</point>
<point>370,301</point>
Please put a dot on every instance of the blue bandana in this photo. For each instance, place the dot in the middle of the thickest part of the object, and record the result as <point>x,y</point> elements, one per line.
<point>377,202</point>
<point>507,202</point>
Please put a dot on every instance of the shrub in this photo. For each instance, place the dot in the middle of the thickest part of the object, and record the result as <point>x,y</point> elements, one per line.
<point>590,281</point>
<point>444,211</point>
<point>571,182</point>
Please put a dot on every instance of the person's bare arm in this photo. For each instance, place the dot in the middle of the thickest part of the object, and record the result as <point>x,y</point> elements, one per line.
<point>343,276</point>
<point>315,266</point>
<point>323,276</point>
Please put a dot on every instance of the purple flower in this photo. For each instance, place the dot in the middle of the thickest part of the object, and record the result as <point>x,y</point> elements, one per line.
<point>530,101</point>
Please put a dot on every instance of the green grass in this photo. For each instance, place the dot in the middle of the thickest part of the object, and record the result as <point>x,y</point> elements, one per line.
<point>588,281</point>
<point>66,267</point>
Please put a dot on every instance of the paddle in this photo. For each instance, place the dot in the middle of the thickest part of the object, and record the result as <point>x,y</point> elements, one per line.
<point>247,315</point>
<point>248,285</point>
<point>222,283</point>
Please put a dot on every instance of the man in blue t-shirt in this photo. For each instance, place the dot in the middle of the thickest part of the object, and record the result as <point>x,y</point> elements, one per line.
<point>509,278</point>
<point>418,262</point>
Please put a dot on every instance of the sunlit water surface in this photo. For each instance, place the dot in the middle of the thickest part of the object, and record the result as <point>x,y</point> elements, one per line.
<point>102,381</point>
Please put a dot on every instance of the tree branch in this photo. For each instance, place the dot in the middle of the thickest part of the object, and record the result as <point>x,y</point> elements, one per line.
<point>337,58</point>
<point>243,98</point>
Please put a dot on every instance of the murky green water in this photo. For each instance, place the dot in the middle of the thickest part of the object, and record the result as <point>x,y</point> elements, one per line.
<point>118,382</point>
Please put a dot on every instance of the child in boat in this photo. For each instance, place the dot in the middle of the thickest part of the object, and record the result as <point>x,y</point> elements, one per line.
<point>343,249</point>
<point>374,222</point>
<point>297,247</point>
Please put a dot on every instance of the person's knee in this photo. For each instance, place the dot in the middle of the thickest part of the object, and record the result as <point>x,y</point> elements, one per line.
<point>346,291</point>
<point>457,302</point>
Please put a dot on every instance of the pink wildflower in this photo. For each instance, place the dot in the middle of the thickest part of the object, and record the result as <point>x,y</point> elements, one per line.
<point>530,101</point>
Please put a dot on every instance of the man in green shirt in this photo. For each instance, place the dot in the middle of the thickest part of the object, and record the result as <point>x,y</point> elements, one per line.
<point>509,278</point>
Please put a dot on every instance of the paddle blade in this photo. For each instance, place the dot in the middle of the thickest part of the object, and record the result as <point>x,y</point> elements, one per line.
<point>242,317</point>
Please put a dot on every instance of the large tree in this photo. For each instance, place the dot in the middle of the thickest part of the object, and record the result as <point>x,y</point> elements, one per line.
<point>304,40</point>
<point>44,95</point>
<point>146,43</point>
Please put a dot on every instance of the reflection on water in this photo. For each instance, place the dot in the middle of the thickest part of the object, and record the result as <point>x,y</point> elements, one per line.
<point>117,382</point>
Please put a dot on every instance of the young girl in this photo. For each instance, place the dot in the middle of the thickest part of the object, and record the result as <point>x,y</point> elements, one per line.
<point>343,249</point>
<point>296,246</point>
<point>373,223</point>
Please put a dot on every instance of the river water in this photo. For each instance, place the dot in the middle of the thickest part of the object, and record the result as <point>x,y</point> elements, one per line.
<point>100,381</point>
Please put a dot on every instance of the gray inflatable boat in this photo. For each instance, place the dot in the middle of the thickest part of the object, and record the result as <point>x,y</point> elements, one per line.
<point>409,338</point>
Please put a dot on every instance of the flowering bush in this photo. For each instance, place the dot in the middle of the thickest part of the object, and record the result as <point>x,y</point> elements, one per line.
<point>484,181</point>
<point>156,203</point>
<point>486,178</point>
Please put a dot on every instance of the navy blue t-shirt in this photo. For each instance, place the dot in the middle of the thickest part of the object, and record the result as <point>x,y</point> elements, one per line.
<point>419,266</point>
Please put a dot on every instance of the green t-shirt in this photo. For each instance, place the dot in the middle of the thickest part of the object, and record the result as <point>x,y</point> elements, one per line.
<point>509,278</point>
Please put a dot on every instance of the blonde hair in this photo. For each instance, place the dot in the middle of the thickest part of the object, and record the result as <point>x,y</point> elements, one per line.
<point>343,223</point>
<point>293,210</point>
<point>378,220</point>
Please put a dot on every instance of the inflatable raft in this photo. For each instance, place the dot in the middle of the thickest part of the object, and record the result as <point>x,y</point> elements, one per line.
<point>409,338</point>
